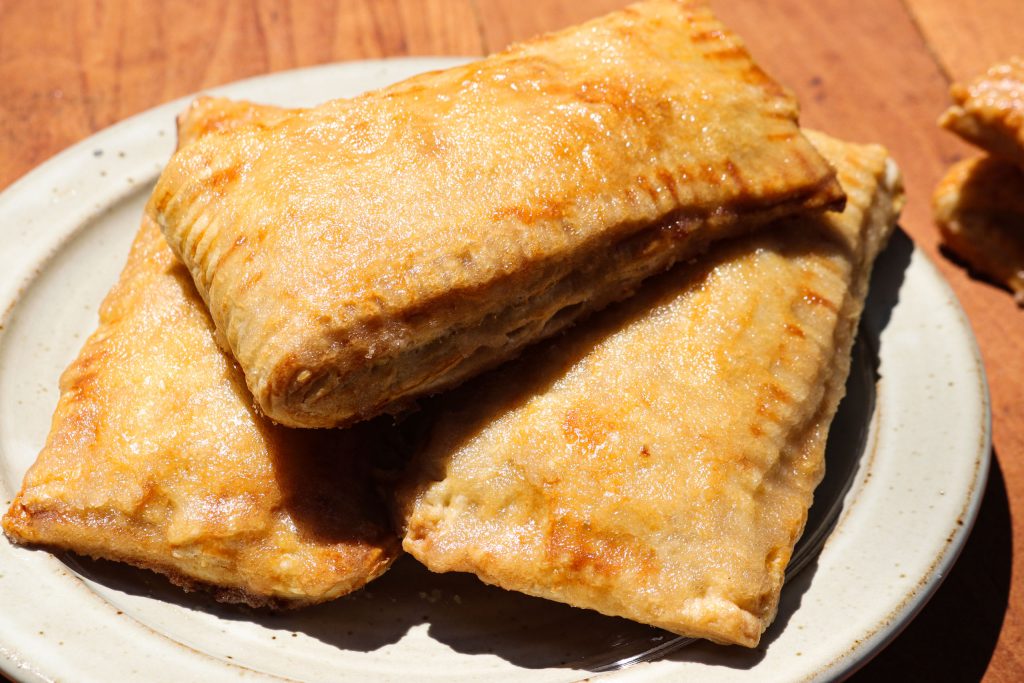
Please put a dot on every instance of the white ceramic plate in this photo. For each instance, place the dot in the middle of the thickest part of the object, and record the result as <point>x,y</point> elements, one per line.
<point>907,462</point>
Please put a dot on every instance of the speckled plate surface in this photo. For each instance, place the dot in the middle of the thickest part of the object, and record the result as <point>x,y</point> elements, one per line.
<point>907,460</point>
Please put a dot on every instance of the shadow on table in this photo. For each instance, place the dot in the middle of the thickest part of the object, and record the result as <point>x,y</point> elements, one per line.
<point>954,636</point>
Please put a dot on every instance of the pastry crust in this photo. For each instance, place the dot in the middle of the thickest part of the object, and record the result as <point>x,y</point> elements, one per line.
<point>156,456</point>
<point>989,112</point>
<point>979,208</point>
<point>368,251</point>
<point>658,462</point>
<point>218,115</point>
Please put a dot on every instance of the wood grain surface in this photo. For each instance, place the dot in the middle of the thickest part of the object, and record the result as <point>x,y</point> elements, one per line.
<point>870,70</point>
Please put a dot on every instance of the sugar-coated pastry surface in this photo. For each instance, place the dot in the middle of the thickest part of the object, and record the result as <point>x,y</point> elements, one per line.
<point>658,461</point>
<point>368,251</point>
<point>157,457</point>
<point>989,111</point>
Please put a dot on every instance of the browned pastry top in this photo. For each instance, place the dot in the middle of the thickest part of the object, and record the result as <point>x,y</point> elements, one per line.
<point>369,250</point>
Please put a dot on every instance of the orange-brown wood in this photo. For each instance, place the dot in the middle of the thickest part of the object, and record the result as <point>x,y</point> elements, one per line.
<point>871,70</point>
<point>968,36</point>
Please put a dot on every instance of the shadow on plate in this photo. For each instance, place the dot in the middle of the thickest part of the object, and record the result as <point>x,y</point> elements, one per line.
<point>955,635</point>
<point>886,281</point>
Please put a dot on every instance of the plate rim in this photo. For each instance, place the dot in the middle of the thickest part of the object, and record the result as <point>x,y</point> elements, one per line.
<point>886,631</point>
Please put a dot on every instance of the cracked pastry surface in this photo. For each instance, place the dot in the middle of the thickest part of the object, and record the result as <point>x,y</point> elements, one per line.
<point>658,461</point>
<point>368,251</point>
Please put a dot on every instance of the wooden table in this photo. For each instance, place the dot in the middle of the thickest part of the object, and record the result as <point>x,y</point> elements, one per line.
<point>868,70</point>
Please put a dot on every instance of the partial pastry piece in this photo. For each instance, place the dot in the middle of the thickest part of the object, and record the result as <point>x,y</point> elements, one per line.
<point>658,462</point>
<point>979,208</point>
<point>368,251</point>
<point>989,112</point>
<point>156,456</point>
<point>216,115</point>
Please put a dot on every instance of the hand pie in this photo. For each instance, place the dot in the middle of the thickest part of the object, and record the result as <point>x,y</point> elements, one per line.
<point>990,111</point>
<point>658,462</point>
<point>157,458</point>
<point>368,251</point>
<point>979,208</point>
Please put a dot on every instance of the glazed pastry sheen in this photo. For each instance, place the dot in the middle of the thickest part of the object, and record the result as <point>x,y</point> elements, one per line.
<point>658,461</point>
<point>989,112</point>
<point>156,456</point>
<point>368,251</point>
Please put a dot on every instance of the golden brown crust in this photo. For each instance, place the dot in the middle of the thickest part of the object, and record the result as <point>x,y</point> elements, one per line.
<point>979,208</point>
<point>157,457</point>
<point>989,112</point>
<point>371,250</point>
<point>213,115</point>
<point>658,462</point>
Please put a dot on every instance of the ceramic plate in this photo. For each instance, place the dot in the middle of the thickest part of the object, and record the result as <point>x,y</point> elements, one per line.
<point>907,459</point>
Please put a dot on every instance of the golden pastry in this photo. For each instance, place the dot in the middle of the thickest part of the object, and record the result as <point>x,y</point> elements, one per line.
<point>208,115</point>
<point>658,462</point>
<point>368,251</point>
<point>979,208</point>
<point>156,456</point>
<point>990,111</point>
